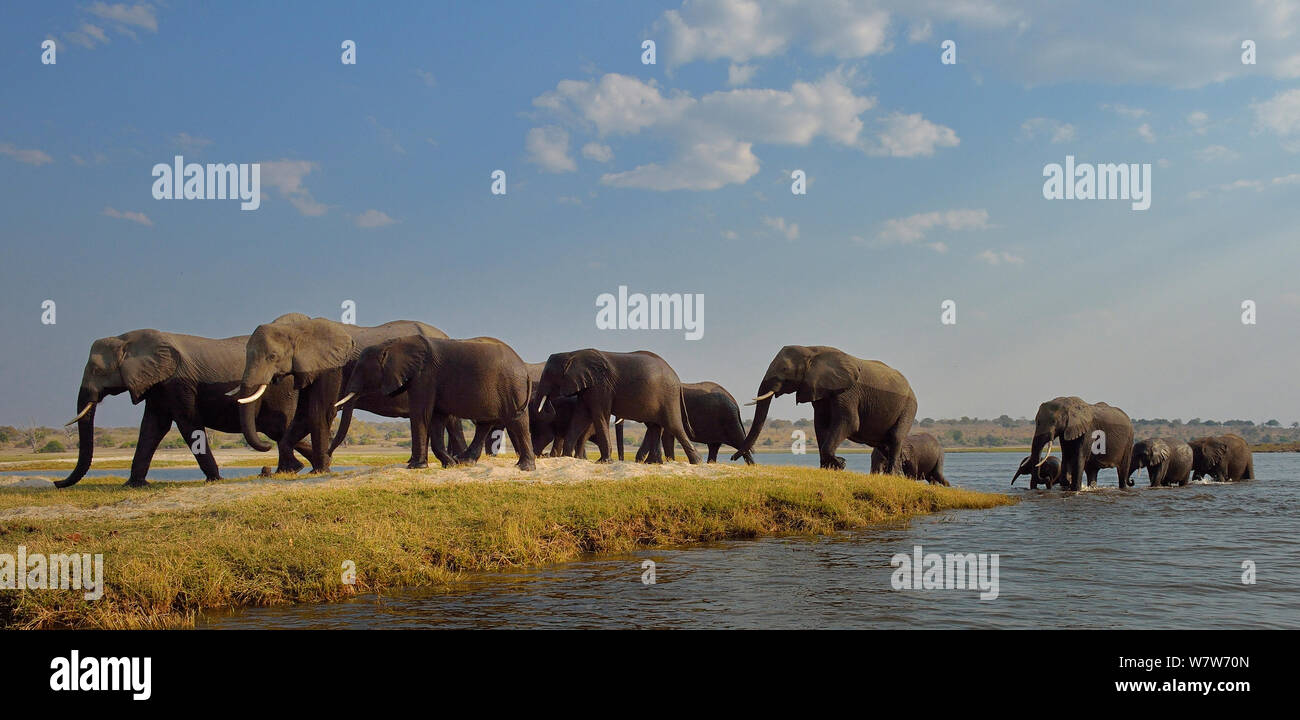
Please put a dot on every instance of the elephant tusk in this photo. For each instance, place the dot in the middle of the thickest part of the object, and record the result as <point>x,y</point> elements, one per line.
<point>618,421</point>
<point>345,399</point>
<point>1049,452</point>
<point>233,391</point>
<point>81,414</point>
<point>244,401</point>
<point>761,398</point>
<point>541,403</point>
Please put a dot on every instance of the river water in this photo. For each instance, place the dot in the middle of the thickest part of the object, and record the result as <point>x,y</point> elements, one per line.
<point>1103,558</point>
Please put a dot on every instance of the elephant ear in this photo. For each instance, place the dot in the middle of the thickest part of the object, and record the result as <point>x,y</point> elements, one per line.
<point>1214,451</point>
<point>399,361</point>
<point>1078,417</point>
<point>586,369</point>
<point>828,373</point>
<point>146,361</point>
<point>320,345</point>
<point>1159,451</point>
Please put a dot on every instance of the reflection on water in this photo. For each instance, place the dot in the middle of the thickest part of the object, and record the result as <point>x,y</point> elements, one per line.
<point>1145,558</point>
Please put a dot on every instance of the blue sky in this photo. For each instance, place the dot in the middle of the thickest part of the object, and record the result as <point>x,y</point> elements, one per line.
<point>925,184</point>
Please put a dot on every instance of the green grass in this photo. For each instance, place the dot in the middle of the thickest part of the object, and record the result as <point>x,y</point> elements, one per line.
<point>288,542</point>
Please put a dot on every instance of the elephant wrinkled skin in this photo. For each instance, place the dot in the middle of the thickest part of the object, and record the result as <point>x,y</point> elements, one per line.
<point>715,420</point>
<point>1226,458</point>
<point>922,458</point>
<point>1048,472</point>
<point>1081,427</point>
<point>1168,460</point>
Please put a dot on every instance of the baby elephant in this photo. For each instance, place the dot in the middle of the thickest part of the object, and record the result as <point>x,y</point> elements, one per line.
<point>1047,473</point>
<point>1222,457</point>
<point>921,457</point>
<point>1168,461</point>
<point>481,379</point>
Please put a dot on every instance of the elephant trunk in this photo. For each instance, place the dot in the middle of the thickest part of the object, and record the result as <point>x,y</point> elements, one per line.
<point>248,424</point>
<point>85,440</point>
<point>1040,439</point>
<point>755,427</point>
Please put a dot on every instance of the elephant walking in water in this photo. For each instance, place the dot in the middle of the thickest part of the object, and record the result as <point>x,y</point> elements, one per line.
<point>715,419</point>
<point>1226,458</point>
<point>1092,436</point>
<point>320,354</point>
<point>1168,460</point>
<point>181,379</point>
<point>853,399</point>
<point>638,386</point>
<point>1047,472</point>
<point>922,459</point>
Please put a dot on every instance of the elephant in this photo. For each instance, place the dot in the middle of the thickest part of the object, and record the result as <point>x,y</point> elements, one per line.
<point>550,425</point>
<point>320,354</point>
<point>638,386</point>
<point>853,399</point>
<point>181,379</point>
<point>1093,436</point>
<point>1168,460</point>
<point>480,379</point>
<point>1047,472</point>
<point>1226,458</point>
<point>715,419</point>
<point>922,458</point>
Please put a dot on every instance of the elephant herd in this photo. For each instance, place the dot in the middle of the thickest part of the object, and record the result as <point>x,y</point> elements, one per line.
<point>289,378</point>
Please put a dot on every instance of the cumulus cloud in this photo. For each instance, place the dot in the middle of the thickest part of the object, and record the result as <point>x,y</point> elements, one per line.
<point>1280,115</point>
<point>790,230</point>
<point>286,177</point>
<point>548,147</point>
<point>373,219</point>
<point>1144,132</point>
<point>1125,110</point>
<point>1000,257</point>
<point>1256,185</point>
<point>740,74</point>
<point>1198,120</point>
<point>134,217</point>
<point>122,18</point>
<point>1057,131</point>
<point>912,136</point>
<point>914,228</point>
<point>189,142</point>
<point>1216,153</point>
<point>30,157</point>
<point>596,151</point>
<point>713,135</point>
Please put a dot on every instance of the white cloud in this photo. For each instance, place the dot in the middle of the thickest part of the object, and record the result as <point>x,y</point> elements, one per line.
<point>286,176</point>
<point>1280,115</point>
<point>1198,120</point>
<point>790,231</point>
<point>714,135</point>
<point>30,157</point>
<point>913,228</point>
<point>596,151</point>
<point>730,234</point>
<point>740,74</point>
<point>912,135</point>
<point>1256,185</point>
<point>1125,110</point>
<point>919,31</point>
<point>189,142</point>
<point>1216,153</point>
<point>373,219</point>
<point>427,77</point>
<point>386,136</point>
<point>1144,132</point>
<point>1059,132</point>
<point>134,217</point>
<point>1000,257</point>
<point>740,30</point>
<point>549,147</point>
<point>140,16</point>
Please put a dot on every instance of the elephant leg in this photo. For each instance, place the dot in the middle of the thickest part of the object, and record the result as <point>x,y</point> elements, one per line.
<point>618,438</point>
<point>153,426</point>
<point>455,435</point>
<point>320,408</point>
<point>936,476</point>
<point>437,425</point>
<point>207,461</point>
<point>669,445</point>
<point>654,443</point>
<point>482,431</point>
<point>517,428</point>
<point>674,428</point>
<point>644,450</point>
<point>713,451</point>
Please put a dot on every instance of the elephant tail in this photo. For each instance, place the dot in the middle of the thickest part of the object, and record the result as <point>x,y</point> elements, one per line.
<point>686,417</point>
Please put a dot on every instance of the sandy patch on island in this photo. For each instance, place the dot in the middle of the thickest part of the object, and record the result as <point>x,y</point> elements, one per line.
<point>178,497</point>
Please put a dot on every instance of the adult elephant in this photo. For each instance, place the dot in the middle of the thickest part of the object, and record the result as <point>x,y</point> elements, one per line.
<point>1047,472</point>
<point>1093,436</point>
<point>715,419</point>
<point>320,354</point>
<point>1226,458</point>
<point>638,386</point>
<point>922,458</point>
<point>853,399</point>
<point>481,379</point>
<point>1168,460</point>
<point>181,379</point>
